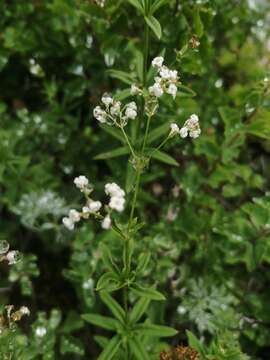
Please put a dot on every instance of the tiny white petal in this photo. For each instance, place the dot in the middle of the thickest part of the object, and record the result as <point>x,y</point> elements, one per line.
<point>74,215</point>
<point>68,223</point>
<point>106,223</point>
<point>157,61</point>
<point>184,132</point>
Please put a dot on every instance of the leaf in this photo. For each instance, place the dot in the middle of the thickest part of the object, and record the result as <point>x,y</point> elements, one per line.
<point>158,132</point>
<point>130,177</point>
<point>137,349</point>
<point>154,25</point>
<point>156,330</point>
<point>149,293</point>
<point>198,24</point>
<point>194,342</point>
<point>137,5</point>
<point>260,125</point>
<point>139,309</point>
<point>143,261</point>
<point>102,341</point>
<point>165,158</point>
<point>139,64</point>
<point>186,90</point>
<point>104,322</point>
<point>107,258</point>
<point>157,4</point>
<point>113,132</point>
<point>121,151</point>
<point>121,75</point>
<point>113,305</point>
<point>111,348</point>
<point>109,281</point>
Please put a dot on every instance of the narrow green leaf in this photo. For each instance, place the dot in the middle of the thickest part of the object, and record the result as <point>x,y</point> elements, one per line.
<point>121,75</point>
<point>143,261</point>
<point>121,151</point>
<point>186,90</point>
<point>137,5</point>
<point>154,25</point>
<point>139,64</point>
<point>149,293</point>
<point>130,177</point>
<point>194,342</point>
<point>102,341</point>
<point>165,158</point>
<point>109,281</point>
<point>198,24</point>
<point>137,349</point>
<point>111,349</point>
<point>113,132</point>
<point>113,305</point>
<point>104,322</point>
<point>108,259</point>
<point>158,132</point>
<point>139,309</point>
<point>156,330</point>
<point>157,4</point>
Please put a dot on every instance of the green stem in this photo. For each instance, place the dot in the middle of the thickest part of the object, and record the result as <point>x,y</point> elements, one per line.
<point>128,142</point>
<point>134,200</point>
<point>146,134</point>
<point>160,146</point>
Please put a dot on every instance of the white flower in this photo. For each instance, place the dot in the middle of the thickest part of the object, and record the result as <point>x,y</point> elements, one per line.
<point>194,119</point>
<point>85,210</point>
<point>156,90</point>
<point>94,206</point>
<point>81,182</point>
<point>174,129</point>
<point>157,61</point>
<point>165,73</point>
<point>131,110</point>
<point>107,100</point>
<point>24,310</point>
<point>134,90</point>
<point>68,223</point>
<point>184,132</point>
<point>115,108</point>
<point>100,114</point>
<point>113,189</point>
<point>12,257</point>
<point>106,223</point>
<point>74,215</point>
<point>117,203</point>
<point>195,133</point>
<point>40,331</point>
<point>172,90</point>
<point>173,74</point>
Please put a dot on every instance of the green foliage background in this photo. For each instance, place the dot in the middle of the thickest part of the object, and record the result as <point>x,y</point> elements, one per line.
<point>212,259</point>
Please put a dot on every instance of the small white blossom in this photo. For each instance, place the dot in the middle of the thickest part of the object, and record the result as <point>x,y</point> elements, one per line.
<point>131,110</point>
<point>184,132</point>
<point>134,90</point>
<point>40,331</point>
<point>88,284</point>
<point>74,215</point>
<point>106,222</point>
<point>172,90</point>
<point>115,108</point>
<point>100,114</point>
<point>194,119</point>
<point>174,129</point>
<point>173,74</point>
<point>107,100</point>
<point>195,133</point>
<point>24,310</point>
<point>113,189</point>
<point>157,61</point>
<point>81,182</point>
<point>165,73</point>
<point>12,257</point>
<point>156,90</point>
<point>94,206</point>
<point>68,223</point>
<point>117,203</point>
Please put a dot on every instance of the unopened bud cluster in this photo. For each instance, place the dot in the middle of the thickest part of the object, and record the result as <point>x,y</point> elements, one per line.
<point>191,127</point>
<point>93,207</point>
<point>114,112</point>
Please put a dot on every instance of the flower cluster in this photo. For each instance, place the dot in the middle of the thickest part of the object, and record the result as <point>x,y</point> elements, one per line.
<point>191,127</point>
<point>94,207</point>
<point>166,82</point>
<point>114,113</point>
<point>100,3</point>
